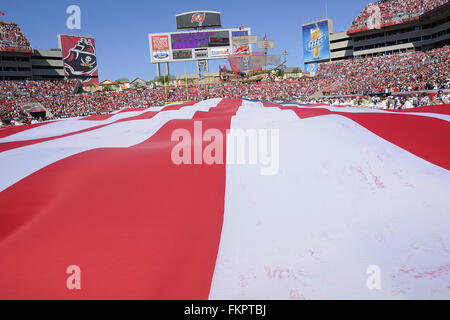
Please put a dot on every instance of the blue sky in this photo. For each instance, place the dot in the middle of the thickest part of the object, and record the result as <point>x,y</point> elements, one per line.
<point>121,28</point>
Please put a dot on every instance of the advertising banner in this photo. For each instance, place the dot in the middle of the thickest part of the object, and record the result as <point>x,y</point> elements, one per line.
<point>311,68</point>
<point>79,58</point>
<point>241,50</point>
<point>239,33</point>
<point>220,52</point>
<point>182,54</point>
<point>266,44</point>
<point>244,40</point>
<point>201,53</point>
<point>316,41</point>
<point>161,55</point>
<point>160,43</point>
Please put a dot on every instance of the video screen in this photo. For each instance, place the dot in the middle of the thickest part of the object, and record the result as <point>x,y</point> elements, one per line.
<point>195,40</point>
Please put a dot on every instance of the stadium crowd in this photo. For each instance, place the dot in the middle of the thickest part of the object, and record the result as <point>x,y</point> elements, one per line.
<point>389,12</point>
<point>12,37</point>
<point>375,82</point>
<point>387,102</point>
<point>410,71</point>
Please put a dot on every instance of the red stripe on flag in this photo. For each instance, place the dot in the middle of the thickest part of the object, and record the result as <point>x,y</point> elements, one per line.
<point>439,109</point>
<point>178,106</point>
<point>98,117</point>
<point>138,226</point>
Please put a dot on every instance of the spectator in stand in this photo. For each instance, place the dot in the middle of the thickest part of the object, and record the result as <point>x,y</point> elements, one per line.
<point>12,37</point>
<point>401,72</point>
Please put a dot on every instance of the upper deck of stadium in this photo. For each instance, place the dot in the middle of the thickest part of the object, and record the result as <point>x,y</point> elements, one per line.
<point>12,38</point>
<point>386,13</point>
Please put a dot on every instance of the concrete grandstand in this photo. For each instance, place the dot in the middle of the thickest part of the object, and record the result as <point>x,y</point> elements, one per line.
<point>19,61</point>
<point>402,26</point>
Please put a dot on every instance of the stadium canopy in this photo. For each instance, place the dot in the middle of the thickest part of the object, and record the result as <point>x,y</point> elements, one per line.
<point>36,110</point>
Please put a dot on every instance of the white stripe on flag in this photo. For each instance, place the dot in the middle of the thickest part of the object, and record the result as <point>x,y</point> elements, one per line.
<point>344,199</point>
<point>66,126</point>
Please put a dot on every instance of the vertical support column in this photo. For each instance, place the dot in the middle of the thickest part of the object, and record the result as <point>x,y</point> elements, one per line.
<point>158,69</point>
<point>202,68</point>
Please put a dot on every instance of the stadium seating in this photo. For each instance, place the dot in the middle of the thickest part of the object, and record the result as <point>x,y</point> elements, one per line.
<point>401,72</point>
<point>392,12</point>
<point>411,71</point>
<point>12,38</point>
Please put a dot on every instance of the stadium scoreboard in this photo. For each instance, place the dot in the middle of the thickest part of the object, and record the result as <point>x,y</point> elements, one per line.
<point>196,45</point>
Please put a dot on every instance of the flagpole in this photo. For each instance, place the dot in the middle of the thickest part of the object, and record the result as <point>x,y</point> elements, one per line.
<point>165,87</point>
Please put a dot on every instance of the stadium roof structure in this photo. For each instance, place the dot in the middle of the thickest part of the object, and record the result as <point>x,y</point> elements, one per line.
<point>192,12</point>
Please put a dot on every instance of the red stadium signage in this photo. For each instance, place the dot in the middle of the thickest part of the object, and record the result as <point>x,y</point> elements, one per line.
<point>7,49</point>
<point>79,57</point>
<point>160,43</point>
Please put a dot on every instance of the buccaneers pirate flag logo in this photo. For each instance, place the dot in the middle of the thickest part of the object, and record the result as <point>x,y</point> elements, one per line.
<point>81,61</point>
<point>199,18</point>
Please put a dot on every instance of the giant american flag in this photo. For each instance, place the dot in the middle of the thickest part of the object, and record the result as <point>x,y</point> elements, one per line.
<point>355,188</point>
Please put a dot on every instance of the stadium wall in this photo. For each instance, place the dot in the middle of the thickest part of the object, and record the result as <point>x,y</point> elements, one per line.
<point>38,65</point>
<point>341,46</point>
<point>47,65</point>
<point>424,34</point>
<point>15,66</point>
